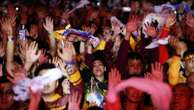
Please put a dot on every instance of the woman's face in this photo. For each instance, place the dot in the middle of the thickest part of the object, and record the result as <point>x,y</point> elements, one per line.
<point>6,96</point>
<point>134,95</point>
<point>98,68</point>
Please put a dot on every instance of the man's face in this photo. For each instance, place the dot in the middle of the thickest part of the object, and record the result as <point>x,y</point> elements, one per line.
<point>135,67</point>
<point>134,95</point>
<point>98,68</point>
<point>181,99</point>
<point>6,96</point>
<point>49,88</point>
<point>189,65</point>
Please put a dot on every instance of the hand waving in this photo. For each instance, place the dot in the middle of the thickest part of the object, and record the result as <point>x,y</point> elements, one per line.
<point>18,75</point>
<point>31,53</point>
<point>7,25</point>
<point>132,24</point>
<point>48,25</point>
<point>67,53</point>
<point>151,30</point>
<point>74,101</point>
<point>114,79</point>
<point>156,72</point>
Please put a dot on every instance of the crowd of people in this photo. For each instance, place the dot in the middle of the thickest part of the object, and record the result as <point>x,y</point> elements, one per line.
<point>119,55</point>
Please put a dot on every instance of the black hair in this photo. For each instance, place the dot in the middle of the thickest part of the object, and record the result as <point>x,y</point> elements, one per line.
<point>95,108</point>
<point>44,66</point>
<point>187,53</point>
<point>134,55</point>
<point>99,55</point>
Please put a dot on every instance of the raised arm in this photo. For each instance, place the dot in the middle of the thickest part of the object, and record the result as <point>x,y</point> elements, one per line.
<point>7,25</point>
<point>49,26</point>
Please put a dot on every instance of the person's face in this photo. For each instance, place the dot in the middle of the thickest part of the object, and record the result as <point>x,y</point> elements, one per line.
<point>106,33</point>
<point>49,88</point>
<point>146,6</point>
<point>6,96</point>
<point>181,100</point>
<point>33,31</point>
<point>135,67</point>
<point>134,95</point>
<point>189,65</point>
<point>98,68</point>
<point>135,6</point>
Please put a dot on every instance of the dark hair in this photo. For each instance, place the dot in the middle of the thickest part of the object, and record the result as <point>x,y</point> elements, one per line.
<point>44,66</point>
<point>134,55</point>
<point>99,55</point>
<point>187,53</point>
<point>95,108</point>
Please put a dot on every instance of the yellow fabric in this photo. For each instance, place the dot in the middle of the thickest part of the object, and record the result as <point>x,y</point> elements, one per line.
<point>75,78</point>
<point>174,76</point>
<point>132,43</point>
<point>59,108</point>
<point>101,45</point>
<point>58,33</point>
<point>52,98</point>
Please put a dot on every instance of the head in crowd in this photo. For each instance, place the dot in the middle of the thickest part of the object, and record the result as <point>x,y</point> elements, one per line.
<point>135,64</point>
<point>189,62</point>
<point>6,95</point>
<point>135,6</point>
<point>182,96</point>
<point>99,66</point>
<point>134,95</point>
<point>41,70</point>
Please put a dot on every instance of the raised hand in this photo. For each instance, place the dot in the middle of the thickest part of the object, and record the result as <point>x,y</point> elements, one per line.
<point>67,53</point>
<point>132,24</point>
<point>60,64</point>
<point>43,58</point>
<point>171,20</point>
<point>31,53</point>
<point>156,72</point>
<point>113,80</point>
<point>19,73</point>
<point>151,30</point>
<point>48,25</point>
<point>7,25</point>
<point>74,101</point>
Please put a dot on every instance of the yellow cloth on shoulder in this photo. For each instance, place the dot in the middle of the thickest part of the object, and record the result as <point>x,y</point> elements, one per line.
<point>101,45</point>
<point>174,75</point>
<point>132,43</point>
